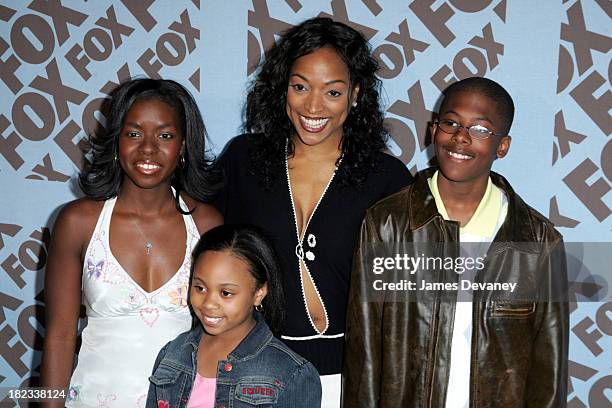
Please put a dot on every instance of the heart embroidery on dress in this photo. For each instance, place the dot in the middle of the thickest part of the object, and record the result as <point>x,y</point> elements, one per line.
<point>141,401</point>
<point>149,315</point>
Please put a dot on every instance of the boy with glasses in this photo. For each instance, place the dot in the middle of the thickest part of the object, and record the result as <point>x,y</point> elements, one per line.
<point>499,340</point>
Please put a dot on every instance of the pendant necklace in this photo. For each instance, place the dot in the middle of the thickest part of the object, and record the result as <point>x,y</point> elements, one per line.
<point>148,244</point>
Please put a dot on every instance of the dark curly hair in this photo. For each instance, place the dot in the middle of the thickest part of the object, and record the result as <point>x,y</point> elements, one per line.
<point>249,244</point>
<point>363,131</point>
<point>103,177</point>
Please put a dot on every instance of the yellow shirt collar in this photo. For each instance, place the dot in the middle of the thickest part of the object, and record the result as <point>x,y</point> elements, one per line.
<point>484,220</point>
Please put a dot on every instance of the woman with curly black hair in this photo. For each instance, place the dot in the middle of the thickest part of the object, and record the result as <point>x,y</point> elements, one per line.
<point>311,163</point>
<point>124,250</point>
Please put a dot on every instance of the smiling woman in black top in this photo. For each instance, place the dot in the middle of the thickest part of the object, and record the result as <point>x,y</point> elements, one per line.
<point>311,163</point>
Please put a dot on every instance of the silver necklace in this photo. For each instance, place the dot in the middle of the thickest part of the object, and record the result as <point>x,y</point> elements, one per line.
<point>148,244</point>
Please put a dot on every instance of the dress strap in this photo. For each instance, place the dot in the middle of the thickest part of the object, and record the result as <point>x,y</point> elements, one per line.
<point>190,225</point>
<point>103,223</point>
<point>107,213</point>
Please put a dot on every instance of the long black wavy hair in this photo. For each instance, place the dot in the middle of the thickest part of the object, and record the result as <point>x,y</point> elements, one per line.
<point>363,131</point>
<point>250,245</point>
<point>103,178</point>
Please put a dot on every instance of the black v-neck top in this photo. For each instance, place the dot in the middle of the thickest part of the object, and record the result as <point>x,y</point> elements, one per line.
<point>330,239</point>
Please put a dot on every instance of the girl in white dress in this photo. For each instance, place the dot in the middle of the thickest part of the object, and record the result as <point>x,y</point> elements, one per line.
<point>124,250</point>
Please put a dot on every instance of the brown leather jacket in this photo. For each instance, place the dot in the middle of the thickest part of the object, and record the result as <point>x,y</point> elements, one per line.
<point>398,352</point>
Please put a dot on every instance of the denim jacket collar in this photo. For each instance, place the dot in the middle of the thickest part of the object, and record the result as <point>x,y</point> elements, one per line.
<point>194,337</point>
<point>254,342</point>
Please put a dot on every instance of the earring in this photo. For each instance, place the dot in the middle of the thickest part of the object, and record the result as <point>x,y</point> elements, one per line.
<point>116,158</point>
<point>182,161</point>
<point>355,104</point>
<point>259,308</point>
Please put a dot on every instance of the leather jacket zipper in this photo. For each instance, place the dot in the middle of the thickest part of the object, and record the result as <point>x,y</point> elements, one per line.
<point>436,325</point>
<point>433,348</point>
<point>436,321</point>
<point>513,310</point>
<point>509,310</point>
<point>474,352</point>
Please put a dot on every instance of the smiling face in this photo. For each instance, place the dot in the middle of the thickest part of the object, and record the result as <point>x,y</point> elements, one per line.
<point>223,294</point>
<point>319,97</point>
<point>150,143</point>
<point>461,158</point>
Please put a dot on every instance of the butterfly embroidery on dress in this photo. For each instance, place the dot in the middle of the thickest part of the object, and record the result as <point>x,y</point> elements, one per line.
<point>134,298</point>
<point>73,393</point>
<point>95,270</point>
<point>178,297</point>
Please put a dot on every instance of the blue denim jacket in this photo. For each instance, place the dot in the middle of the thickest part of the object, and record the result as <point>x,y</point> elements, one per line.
<point>261,371</point>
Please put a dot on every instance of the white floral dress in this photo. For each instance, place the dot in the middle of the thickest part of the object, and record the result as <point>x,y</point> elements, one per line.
<point>126,326</point>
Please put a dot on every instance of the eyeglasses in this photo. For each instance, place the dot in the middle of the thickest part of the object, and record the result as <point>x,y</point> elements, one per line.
<point>475,131</point>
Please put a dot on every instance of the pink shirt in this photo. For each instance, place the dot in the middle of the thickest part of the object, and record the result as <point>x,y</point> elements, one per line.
<point>202,392</point>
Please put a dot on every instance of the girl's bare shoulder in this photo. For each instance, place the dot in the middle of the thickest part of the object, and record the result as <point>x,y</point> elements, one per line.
<point>79,217</point>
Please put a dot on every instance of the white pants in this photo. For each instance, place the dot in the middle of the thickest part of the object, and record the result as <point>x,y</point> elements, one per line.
<point>331,386</point>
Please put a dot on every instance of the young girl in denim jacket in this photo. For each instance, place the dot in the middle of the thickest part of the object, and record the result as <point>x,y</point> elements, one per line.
<point>232,358</point>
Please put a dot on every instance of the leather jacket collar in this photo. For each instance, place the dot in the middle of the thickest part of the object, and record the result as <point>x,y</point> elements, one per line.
<point>517,228</point>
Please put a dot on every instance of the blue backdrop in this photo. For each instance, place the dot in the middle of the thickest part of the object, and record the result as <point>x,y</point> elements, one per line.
<point>59,58</point>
